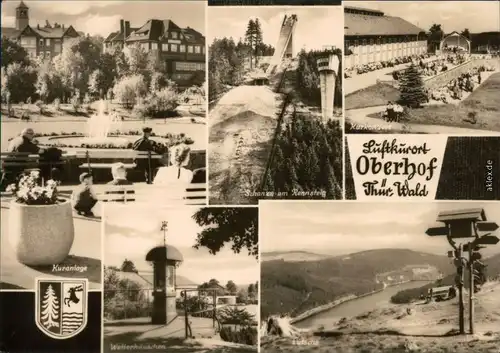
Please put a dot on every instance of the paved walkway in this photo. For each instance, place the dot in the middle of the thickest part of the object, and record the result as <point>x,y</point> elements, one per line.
<point>358,82</point>
<point>86,251</point>
<point>361,121</point>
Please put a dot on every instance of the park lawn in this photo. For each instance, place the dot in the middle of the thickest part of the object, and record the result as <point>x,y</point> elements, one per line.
<point>372,96</point>
<point>483,101</point>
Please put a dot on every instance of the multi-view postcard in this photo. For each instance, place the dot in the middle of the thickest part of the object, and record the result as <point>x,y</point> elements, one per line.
<point>275,100</point>
<point>244,176</point>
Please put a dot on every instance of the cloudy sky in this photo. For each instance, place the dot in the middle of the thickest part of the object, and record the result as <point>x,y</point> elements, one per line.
<point>103,17</point>
<point>338,228</point>
<point>130,232</point>
<point>316,27</point>
<point>477,16</point>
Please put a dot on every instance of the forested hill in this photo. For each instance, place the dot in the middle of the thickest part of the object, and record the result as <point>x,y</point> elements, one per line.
<point>292,256</point>
<point>294,287</point>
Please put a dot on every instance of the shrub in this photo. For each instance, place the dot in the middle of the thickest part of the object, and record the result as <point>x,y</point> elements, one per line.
<point>139,110</point>
<point>163,103</point>
<point>129,88</point>
<point>246,335</point>
<point>39,104</point>
<point>75,103</point>
<point>57,104</point>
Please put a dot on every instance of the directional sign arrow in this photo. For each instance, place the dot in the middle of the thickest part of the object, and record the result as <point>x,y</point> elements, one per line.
<point>436,231</point>
<point>487,226</point>
<point>487,240</point>
<point>474,247</point>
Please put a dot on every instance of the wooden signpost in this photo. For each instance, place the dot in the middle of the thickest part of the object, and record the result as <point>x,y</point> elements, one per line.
<point>466,223</point>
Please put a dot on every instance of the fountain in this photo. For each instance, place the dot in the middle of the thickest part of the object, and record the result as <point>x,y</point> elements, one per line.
<point>100,125</point>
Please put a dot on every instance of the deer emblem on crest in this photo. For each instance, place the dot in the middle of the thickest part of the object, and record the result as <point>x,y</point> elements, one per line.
<point>72,298</point>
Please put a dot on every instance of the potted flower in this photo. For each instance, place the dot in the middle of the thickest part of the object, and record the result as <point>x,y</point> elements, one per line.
<point>41,229</point>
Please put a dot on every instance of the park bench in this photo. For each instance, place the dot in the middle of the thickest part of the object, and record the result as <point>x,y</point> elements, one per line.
<point>26,160</point>
<point>93,158</point>
<point>194,194</point>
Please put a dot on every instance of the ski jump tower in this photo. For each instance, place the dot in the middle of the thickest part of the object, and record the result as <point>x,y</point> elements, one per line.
<point>284,48</point>
<point>328,67</point>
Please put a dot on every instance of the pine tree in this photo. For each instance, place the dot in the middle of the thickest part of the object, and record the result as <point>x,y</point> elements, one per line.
<point>412,88</point>
<point>50,309</point>
<point>258,40</point>
<point>250,39</point>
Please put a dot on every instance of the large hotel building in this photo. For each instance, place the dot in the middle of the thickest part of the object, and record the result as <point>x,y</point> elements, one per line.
<point>45,41</point>
<point>181,50</point>
<point>371,36</point>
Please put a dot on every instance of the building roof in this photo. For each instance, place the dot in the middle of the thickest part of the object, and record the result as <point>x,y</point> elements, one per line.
<point>10,32</point>
<point>155,30</point>
<point>22,5</point>
<point>355,9</point>
<point>361,25</point>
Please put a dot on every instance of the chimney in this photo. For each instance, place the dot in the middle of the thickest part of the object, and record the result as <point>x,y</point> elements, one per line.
<point>127,28</point>
<point>122,26</point>
<point>63,27</point>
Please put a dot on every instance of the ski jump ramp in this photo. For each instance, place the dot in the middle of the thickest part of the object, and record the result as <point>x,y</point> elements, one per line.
<point>284,47</point>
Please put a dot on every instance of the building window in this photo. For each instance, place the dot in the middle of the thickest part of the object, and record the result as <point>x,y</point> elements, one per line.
<point>203,50</point>
<point>47,41</point>
<point>164,47</point>
<point>57,48</point>
<point>175,35</point>
<point>356,43</point>
<point>182,48</point>
<point>364,42</point>
<point>41,42</point>
<point>174,48</point>
<point>28,42</point>
<point>197,49</point>
<point>188,66</point>
<point>190,48</point>
<point>145,46</point>
<point>154,46</point>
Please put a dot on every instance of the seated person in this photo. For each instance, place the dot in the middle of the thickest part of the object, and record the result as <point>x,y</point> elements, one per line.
<point>24,143</point>
<point>119,173</point>
<point>84,197</point>
<point>199,176</point>
<point>177,172</point>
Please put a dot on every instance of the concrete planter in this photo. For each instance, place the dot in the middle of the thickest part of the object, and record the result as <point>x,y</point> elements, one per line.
<point>41,234</point>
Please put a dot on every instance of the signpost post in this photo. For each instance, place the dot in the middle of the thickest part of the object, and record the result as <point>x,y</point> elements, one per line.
<point>465,223</point>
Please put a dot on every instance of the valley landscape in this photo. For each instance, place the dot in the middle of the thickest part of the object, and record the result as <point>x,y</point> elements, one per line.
<point>365,297</point>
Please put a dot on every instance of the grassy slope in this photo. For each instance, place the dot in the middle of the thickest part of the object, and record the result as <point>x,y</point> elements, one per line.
<point>483,102</point>
<point>375,95</point>
<point>287,285</point>
<point>428,328</point>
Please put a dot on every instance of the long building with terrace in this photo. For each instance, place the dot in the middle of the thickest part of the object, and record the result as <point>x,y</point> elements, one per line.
<point>370,36</point>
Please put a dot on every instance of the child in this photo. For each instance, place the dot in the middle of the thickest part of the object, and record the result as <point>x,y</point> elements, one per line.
<point>119,173</point>
<point>84,197</point>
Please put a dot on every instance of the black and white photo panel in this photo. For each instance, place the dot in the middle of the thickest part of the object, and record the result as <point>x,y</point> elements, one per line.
<point>181,279</point>
<point>275,113</point>
<point>412,276</point>
<point>104,98</point>
<point>423,67</point>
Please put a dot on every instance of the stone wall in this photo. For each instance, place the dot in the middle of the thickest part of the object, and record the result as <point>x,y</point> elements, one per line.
<point>443,78</point>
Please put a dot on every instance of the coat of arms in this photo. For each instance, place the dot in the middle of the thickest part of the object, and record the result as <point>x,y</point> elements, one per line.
<point>61,306</point>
